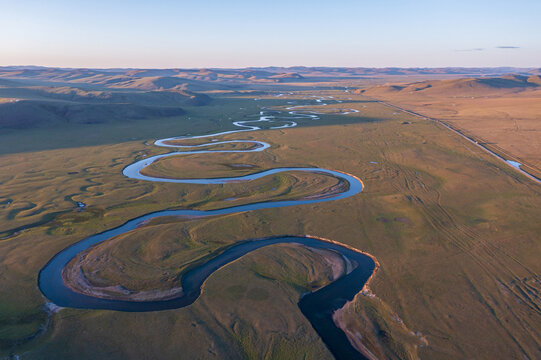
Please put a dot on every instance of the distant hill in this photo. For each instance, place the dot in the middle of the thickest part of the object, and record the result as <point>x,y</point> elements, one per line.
<point>457,87</point>
<point>46,97</point>
<point>10,83</point>
<point>287,76</point>
<point>308,72</point>
<point>30,114</point>
<point>47,106</point>
<point>228,79</point>
<point>152,79</point>
<point>51,96</point>
<point>159,98</point>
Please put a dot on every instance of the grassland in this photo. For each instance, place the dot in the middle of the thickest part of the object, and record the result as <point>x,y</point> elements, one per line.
<point>455,231</point>
<point>501,113</point>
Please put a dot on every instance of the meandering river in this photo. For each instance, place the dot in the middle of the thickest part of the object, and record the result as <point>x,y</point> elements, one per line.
<point>317,306</point>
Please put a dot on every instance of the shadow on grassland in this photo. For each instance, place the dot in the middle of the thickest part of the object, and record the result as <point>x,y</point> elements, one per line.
<point>219,116</point>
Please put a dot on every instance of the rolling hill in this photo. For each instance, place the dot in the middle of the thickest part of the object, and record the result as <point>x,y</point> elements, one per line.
<point>31,114</point>
<point>49,106</point>
<point>157,79</point>
<point>230,79</point>
<point>459,87</point>
<point>168,98</point>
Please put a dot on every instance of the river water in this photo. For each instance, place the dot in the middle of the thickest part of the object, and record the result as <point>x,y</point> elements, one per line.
<point>317,306</point>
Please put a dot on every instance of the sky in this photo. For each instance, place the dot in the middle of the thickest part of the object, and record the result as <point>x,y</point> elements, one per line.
<point>242,33</point>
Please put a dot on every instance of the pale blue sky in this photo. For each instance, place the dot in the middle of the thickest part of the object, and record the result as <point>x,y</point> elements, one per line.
<point>239,33</point>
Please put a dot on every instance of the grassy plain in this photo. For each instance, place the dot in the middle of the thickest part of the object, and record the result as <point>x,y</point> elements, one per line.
<point>502,113</point>
<point>456,233</point>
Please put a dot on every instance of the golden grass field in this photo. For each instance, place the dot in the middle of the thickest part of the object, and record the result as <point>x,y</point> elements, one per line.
<point>506,120</point>
<point>456,233</point>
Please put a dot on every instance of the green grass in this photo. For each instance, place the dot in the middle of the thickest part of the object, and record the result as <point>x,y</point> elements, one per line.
<point>464,263</point>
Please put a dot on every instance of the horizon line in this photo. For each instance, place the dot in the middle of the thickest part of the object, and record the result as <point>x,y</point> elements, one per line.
<point>271,66</point>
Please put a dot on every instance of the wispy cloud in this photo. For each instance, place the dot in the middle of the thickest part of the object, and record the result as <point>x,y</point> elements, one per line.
<point>475,49</point>
<point>505,47</point>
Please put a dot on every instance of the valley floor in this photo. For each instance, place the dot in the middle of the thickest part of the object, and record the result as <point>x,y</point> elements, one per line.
<point>455,231</point>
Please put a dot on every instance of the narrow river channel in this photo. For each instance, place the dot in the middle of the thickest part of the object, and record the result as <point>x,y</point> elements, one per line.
<point>317,306</point>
